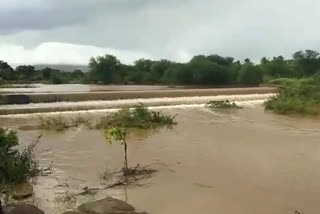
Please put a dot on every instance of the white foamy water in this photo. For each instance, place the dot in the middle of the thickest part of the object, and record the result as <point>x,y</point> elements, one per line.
<point>108,106</point>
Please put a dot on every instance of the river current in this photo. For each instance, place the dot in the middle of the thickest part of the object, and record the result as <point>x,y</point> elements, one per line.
<point>243,161</point>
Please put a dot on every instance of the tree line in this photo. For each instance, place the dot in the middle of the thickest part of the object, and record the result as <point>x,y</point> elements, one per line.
<point>200,70</point>
<point>28,74</point>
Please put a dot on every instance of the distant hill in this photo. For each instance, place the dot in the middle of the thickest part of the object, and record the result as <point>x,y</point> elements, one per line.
<point>66,68</point>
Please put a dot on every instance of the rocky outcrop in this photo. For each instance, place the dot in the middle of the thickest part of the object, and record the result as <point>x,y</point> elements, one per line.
<point>22,191</point>
<point>108,206</point>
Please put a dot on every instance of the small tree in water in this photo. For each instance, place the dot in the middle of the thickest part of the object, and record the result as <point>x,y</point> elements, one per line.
<point>119,134</point>
<point>116,127</point>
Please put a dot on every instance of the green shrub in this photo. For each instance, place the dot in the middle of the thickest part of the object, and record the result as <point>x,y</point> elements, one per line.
<point>15,166</point>
<point>138,117</point>
<point>299,96</point>
<point>226,104</point>
<point>250,74</point>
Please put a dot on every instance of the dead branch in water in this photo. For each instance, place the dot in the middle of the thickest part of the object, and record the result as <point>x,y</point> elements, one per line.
<point>89,191</point>
<point>129,176</point>
<point>123,177</point>
<point>47,171</point>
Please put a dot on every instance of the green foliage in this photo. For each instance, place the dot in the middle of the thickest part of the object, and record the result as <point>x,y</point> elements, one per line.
<point>28,74</point>
<point>56,79</point>
<point>7,72</point>
<point>307,62</point>
<point>226,104</point>
<point>60,123</point>
<point>119,134</point>
<point>15,166</point>
<point>278,67</point>
<point>292,104</point>
<point>158,69</point>
<point>104,69</point>
<point>116,126</point>
<point>250,74</point>
<point>116,133</point>
<point>201,70</point>
<point>286,82</point>
<point>25,72</point>
<point>298,96</point>
<point>138,117</point>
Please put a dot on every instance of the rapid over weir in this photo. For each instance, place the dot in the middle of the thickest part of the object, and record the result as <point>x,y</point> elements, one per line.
<point>60,102</point>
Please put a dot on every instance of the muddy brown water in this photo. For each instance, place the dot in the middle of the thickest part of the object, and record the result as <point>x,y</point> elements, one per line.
<point>245,162</point>
<point>122,93</point>
<point>67,88</point>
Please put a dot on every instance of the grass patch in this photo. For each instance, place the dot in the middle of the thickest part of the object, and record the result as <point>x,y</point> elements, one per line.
<point>299,96</point>
<point>291,82</point>
<point>226,104</point>
<point>15,166</point>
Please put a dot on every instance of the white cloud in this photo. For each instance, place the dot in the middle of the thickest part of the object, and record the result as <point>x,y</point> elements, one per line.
<point>62,53</point>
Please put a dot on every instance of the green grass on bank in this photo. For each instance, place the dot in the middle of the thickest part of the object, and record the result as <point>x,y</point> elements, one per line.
<point>301,96</point>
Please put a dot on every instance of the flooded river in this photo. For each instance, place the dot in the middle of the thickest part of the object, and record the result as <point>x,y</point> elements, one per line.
<point>232,162</point>
<point>69,88</point>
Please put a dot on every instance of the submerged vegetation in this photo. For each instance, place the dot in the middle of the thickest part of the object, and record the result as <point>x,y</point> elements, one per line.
<point>137,117</point>
<point>60,123</point>
<point>226,104</point>
<point>300,96</point>
<point>16,166</point>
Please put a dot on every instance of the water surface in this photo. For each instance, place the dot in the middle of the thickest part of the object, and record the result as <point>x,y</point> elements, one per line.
<point>244,162</point>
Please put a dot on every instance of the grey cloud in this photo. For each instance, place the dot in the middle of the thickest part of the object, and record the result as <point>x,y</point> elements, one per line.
<point>169,28</point>
<point>49,14</point>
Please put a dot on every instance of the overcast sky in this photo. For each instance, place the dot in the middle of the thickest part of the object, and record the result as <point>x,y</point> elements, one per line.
<point>71,31</point>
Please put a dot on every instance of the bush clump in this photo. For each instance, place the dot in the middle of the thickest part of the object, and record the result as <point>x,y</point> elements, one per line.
<point>226,104</point>
<point>138,117</point>
<point>302,97</point>
<point>15,166</point>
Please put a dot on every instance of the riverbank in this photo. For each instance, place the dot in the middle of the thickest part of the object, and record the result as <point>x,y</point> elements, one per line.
<point>296,96</point>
